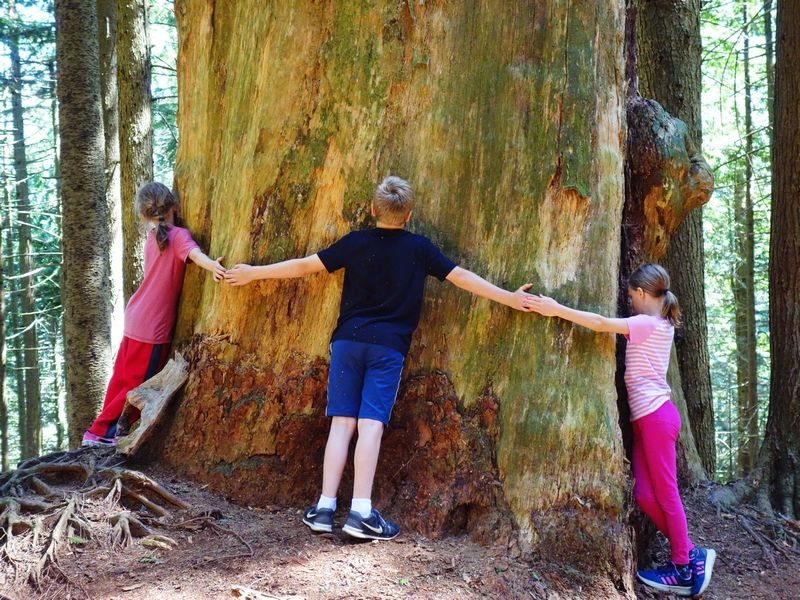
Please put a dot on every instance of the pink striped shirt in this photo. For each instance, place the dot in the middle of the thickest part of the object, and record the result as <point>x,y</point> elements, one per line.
<point>646,362</point>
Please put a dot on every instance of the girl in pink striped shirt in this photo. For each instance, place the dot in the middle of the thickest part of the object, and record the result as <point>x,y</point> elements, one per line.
<point>655,420</point>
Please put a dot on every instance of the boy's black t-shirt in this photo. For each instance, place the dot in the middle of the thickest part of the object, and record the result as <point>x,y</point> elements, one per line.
<point>384,280</point>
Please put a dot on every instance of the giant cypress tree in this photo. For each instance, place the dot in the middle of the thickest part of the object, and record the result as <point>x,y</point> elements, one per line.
<point>509,121</point>
<point>668,49</point>
<point>85,213</point>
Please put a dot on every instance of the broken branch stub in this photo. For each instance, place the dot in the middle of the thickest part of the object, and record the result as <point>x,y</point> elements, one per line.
<point>669,177</point>
<point>151,399</point>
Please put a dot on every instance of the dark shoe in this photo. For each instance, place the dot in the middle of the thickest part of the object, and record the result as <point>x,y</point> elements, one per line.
<point>701,561</point>
<point>374,527</point>
<point>667,579</point>
<point>319,519</point>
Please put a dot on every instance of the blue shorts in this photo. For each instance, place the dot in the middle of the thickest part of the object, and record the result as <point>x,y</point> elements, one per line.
<point>363,380</point>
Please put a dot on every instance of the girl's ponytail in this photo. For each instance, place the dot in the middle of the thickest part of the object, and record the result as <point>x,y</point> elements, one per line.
<point>162,234</point>
<point>671,310</point>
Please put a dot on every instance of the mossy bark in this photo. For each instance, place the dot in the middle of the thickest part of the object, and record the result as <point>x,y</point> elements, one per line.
<point>508,118</point>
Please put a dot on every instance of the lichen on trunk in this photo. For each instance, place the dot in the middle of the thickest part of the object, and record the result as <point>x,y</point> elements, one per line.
<point>508,120</point>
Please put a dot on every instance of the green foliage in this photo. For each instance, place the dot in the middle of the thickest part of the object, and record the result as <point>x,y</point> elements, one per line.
<point>724,148</point>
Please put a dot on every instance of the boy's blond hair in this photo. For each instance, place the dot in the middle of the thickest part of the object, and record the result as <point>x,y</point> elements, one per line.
<point>393,200</point>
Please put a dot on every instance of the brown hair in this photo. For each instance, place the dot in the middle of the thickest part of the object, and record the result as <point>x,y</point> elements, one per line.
<point>153,201</point>
<point>393,199</point>
<point>654,280</point>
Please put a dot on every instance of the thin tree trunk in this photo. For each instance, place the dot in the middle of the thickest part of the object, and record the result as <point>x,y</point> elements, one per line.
<point>744,285</point>
<point>135,129</point>
<point>669,49</point>
<point>769,57</point>
<point>85,214</point>
<point>107,32</point>
<point>33,425</point>
<point>60,410</point>
<point>4,231</point>
<point>16,341</point>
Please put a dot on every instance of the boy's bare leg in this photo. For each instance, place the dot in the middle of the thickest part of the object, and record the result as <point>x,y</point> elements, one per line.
<point>365,461</point>
<point>336,450</point>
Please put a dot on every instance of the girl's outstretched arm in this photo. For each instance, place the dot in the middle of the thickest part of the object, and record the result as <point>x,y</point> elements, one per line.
<point>199,258</point>
<point>296,267</point>
<point>550,308</point>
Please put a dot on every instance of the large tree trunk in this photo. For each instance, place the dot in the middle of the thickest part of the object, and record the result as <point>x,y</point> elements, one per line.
<point>509,122</point>
<point>668,49</point>
<point>782,444</point>
<point>33,425</point>
<point>85,214</point>
<point>106,35</point>
<point>744,284</point>
<point>135,130</point>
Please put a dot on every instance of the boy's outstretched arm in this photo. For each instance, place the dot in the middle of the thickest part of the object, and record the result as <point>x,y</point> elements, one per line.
<point>202,260</point>
<point>548,307</point>
<point>467,280</point>
<point>296,267</point>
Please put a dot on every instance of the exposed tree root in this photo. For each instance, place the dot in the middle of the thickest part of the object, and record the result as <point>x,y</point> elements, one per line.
<point>209,520</point>
<point>73,497</point>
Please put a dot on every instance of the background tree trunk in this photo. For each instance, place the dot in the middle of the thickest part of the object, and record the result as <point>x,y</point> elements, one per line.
<point>33,425</point>
<point>781,449</point>
<point>4,231</point>
<point>744,284</point>
<point>668,50</point>
<point>508,122</point>
<point>135,130</point>
<point>107,33</point>
<point>85,214</point>
<point>15,343</point>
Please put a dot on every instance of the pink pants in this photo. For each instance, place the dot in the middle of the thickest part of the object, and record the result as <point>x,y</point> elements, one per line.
<point>136,363</point>
<point>655,479</point>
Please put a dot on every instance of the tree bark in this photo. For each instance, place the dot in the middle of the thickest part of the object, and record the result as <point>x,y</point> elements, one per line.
<point>782,444</point>
<point>668,49</point>
<point>85,214</point>
<point>510,123</point>
<point>15,342</point>
<point>33,425</point>
<point>135,130</point>
<point>107,41</point>
<point>4,231</point>
<point>769,58</point>
<point>744,285</point>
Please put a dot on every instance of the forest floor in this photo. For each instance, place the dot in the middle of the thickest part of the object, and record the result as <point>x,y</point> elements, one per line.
<point>288,562</point>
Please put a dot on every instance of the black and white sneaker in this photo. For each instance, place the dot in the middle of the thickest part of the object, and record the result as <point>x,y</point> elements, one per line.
<point>319,519</point>
<point>374,527</point>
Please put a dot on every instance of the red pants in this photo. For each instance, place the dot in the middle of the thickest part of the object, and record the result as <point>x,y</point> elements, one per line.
<point>656,482</point>
<point>136,363</point>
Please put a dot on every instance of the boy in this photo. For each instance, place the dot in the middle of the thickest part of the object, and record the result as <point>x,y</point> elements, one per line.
<point>385,271</point>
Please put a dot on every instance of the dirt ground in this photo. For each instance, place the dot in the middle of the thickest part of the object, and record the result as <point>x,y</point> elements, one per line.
<point>290,563</point>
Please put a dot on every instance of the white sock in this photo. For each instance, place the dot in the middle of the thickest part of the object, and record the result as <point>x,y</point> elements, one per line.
<point>362,506</point>
<point>326,502</point>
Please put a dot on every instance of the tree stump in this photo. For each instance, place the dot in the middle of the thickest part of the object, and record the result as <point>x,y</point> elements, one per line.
<point>150,399</point>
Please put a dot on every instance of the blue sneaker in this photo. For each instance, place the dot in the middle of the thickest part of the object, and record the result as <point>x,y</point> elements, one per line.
<point>701,561</point>
<point>668,579</point>
<point>374,527</point>
<point>319,519</point>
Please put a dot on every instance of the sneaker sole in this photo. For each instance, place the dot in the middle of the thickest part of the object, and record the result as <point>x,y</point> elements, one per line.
<point>677,590</point>
<point>358,533</point>
<point>318,527</point>
<point>88,444</point>
<point>711,557</point>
